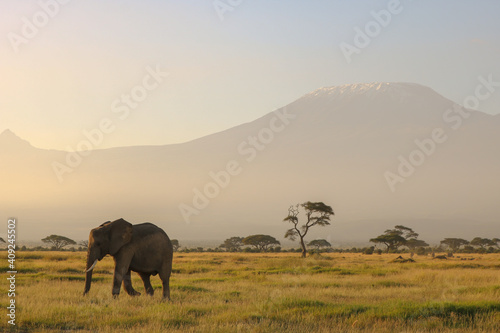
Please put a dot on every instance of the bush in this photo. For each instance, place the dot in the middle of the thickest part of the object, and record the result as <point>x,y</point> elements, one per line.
<point>369,250</point>
<point>467,249</point>
<point>421,251</point>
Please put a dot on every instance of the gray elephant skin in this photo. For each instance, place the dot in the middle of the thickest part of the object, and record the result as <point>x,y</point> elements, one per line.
<point>142,248</point>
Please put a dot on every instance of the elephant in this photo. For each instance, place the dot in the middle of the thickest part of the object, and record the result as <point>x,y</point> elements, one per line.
<point>143,248</point>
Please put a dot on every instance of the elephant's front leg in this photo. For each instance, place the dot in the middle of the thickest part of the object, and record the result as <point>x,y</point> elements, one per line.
<point>127,285</point>
<point>120,274</point>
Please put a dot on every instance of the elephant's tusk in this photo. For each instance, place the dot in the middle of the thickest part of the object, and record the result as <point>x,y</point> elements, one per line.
<point>91,267</point>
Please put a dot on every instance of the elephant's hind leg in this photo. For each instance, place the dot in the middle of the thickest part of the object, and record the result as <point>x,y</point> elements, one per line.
<point>127,285</point>
<point>147,283</point>
<point>165,278</point>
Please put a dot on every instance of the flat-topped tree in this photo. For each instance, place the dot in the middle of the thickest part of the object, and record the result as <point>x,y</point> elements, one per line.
<point>403,231</point>
<point>232,244</point>
<point>496,242</point>
<point>413,244</point>
<point>261,242</point>
<point>175,244</point>
<point>391,240</point>
<point>454,243</point>
<point>482,242</point>
<point>317,213</point>
<point>319,243</point>
<point>399,236</point>
<point>58,242</point>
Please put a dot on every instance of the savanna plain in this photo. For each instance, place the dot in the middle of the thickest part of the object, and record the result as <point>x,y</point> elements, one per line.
<point>272,292</point>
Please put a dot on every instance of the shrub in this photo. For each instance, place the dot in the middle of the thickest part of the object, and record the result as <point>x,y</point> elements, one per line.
<point>369,250</point>
<point>421,251</point>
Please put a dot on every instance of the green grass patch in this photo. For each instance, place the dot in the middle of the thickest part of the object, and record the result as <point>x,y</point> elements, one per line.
<point>23,270</point>
<point>278,292</point>
<point>73,278</point>
<point>192,270</point>
<point>233,293</point>
<point>28,256</point>
<point>197,312</point>
<point>413,311</point>
<point>178,322</point>
<point>56,257</point>
<point>48,323</point>
<point>209,280</point>
<point>391,284</point>
<point>302,303</point>
<point>70,270</point>
<point>102,271</point>
<point>346,311</point>
<point>189,288</point>
<point>127,322</point>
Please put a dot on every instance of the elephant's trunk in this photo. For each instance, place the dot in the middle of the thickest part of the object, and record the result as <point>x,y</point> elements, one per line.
<point>91,262</point>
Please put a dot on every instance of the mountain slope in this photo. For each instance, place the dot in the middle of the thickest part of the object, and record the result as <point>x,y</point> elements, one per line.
<point>334,145</point>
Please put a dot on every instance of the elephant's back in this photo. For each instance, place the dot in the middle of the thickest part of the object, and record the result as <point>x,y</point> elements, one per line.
<point>144,229</point>
<point>149,231</point>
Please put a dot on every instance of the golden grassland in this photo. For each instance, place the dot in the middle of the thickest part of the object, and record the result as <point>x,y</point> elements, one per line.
<point>274,292</point>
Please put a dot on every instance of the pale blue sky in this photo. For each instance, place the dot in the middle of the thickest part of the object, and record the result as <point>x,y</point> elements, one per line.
<point>263,55</point>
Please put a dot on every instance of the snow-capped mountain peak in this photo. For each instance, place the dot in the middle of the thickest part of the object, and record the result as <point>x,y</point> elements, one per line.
<point>392,90</point>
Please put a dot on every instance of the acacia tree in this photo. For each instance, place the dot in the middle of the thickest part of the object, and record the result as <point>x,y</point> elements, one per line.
<point>496,242</point>
<point>232,244</point>
<point>392,241</point>
<point>399,236</point>
<point>317,213</point>
<point>403,231</point>
<point>58,242</point>
<point>413,244</point>
<point>482,242</point>
<point>261,242</point>
<point>175,244</point>
<point>454,243</point>
<point>318,243</point>
<point>84,244</point>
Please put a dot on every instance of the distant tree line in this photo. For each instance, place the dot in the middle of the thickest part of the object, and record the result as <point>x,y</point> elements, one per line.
<point>400,239</point>
<point>476,245</point>
<point>453,245</point>
<point>404,239</point>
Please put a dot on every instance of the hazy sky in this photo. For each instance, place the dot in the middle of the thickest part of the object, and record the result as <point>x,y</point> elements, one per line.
<point>63,72</point>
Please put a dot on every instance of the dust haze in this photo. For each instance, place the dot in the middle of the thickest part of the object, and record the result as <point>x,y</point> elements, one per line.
<point>342,145</point>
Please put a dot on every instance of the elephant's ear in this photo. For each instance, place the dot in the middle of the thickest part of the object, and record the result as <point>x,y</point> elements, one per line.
<point>120,234</point>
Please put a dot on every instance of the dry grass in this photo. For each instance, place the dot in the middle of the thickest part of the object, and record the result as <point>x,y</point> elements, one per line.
<point>223,292</point>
